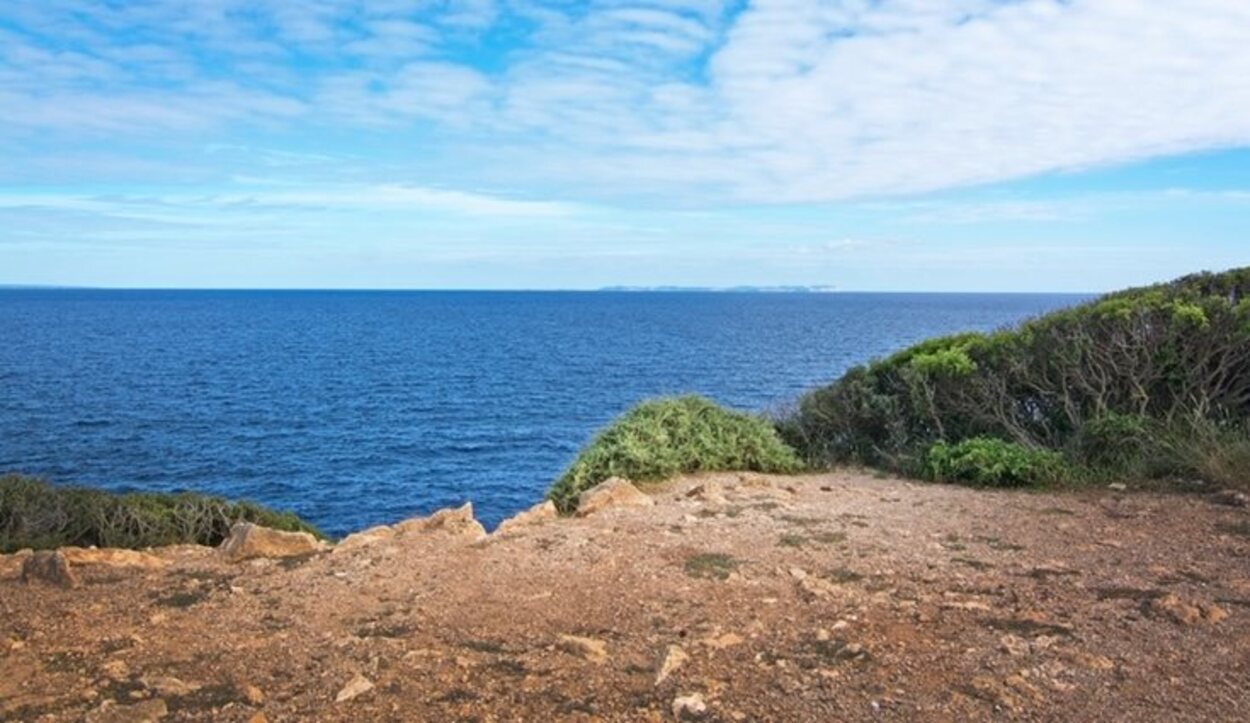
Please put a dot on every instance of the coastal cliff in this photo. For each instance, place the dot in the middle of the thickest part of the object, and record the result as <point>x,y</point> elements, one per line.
<point>721,597</point>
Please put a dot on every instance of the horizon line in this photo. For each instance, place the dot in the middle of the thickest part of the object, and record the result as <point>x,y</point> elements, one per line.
<point>772,290</point>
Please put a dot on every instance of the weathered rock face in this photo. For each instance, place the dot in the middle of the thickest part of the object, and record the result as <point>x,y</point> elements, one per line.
<point>49,566</point>
<point>457,521</point>
<point>545,510</point>
<point>613,492</point>
<point>247,541</point>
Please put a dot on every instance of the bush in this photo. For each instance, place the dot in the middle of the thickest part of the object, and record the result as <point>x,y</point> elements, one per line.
<point>1103,382</point>
<point>661,438</point>
<point>989,462</point>
<point>38,515</point>
<point>1118,444</point>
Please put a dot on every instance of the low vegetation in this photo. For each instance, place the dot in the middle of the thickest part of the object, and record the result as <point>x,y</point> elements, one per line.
<point>665,437</point>
<point>38,515</point>
<point>1144,383</point>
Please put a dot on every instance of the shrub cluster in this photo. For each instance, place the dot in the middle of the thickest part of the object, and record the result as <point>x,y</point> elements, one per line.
<point>989,462</point>
<point>663,437</point>
<point>1152,382</point>
<point>38,515</point>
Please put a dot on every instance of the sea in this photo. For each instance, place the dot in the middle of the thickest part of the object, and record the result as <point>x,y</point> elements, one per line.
<point>356,408</point>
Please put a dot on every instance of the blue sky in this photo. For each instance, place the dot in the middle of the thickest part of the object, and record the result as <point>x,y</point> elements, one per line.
<point>1016,145</point>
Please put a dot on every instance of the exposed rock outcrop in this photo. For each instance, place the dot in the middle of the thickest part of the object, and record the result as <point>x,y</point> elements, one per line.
<point>613,492</point>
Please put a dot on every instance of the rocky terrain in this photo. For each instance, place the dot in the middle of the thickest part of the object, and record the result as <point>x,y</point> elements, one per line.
<point>721,598</point>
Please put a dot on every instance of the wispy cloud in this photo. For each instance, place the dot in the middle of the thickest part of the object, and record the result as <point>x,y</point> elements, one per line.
<point>780,101</point>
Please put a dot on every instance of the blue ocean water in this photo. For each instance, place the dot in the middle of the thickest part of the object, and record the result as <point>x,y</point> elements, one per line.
<point>359,408</point>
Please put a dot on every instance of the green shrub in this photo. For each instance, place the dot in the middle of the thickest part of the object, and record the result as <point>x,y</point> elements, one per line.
<point>39,515</point>
<point>1117,444</point>
<point>664,437</point>
<point>989,462</point>
<point>1099,382</point>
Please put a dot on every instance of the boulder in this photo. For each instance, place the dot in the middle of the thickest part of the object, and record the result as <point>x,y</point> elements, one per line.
<point>49,566</point>
<point>613,492</point>
<point>539,513</point>
<point>247,541</point>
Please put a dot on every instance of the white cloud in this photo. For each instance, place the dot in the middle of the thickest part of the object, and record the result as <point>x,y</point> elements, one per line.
<point>782,101</point>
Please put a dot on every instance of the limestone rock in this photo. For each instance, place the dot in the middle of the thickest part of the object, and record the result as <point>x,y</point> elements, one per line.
<point>355,688</point>
<point>596,651</point>
<point>365,538</point>
<point>247,541</point>
<point>111,557</point>
<point>673,660</point>
<point>49,566</point>
<point>614,492</point>
<point>689,707</point>
<point>539,513</point>
<point>454,520</point>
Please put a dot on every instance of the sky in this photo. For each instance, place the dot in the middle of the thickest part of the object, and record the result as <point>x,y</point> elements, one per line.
<point>906,145</point>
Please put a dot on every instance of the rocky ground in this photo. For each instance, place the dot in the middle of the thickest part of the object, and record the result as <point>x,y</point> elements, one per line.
<point>723,598</point>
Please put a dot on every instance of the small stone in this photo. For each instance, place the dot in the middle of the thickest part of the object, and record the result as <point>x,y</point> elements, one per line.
<point>689,707</point>
<point>248,541</point>
<point>711,492</point>
<point>251,694</point>
<point>115,670</point>
<point>258,718</point>
<point>1117,486</point>
<point>1013,645</point>
<point>49,566</point>
<point>109,711</point>
<point>595,651</point>
<point>720,642</point>
<point>355,688</point>
<point>614,492</point>
<point>673,660</point>
<point>169,687</point>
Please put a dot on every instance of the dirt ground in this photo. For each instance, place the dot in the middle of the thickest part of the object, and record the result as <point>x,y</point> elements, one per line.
<point>736,597</point>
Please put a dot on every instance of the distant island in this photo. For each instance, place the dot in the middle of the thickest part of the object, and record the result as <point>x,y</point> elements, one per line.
<point>730,289</point>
